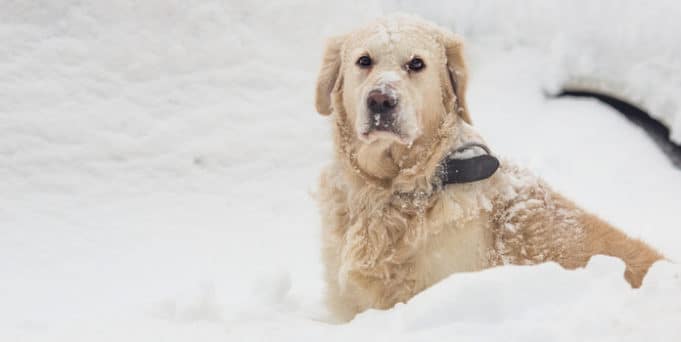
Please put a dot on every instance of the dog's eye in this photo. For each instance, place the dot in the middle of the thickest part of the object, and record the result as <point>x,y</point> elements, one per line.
<point>415,64</point>
<point>364,62</point>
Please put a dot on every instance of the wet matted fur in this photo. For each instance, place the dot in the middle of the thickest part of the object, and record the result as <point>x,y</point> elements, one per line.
<point>390,228</point>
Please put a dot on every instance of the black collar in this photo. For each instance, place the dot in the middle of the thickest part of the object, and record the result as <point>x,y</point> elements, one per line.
<point>465,170</point>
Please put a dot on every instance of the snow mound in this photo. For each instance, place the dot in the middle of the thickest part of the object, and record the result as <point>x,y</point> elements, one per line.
<point>497,303</point>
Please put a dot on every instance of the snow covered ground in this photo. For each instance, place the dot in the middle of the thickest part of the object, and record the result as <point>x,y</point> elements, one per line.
<point>157,160</point>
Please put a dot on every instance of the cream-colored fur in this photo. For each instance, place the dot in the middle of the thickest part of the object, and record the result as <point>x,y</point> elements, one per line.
<point>390,229</point>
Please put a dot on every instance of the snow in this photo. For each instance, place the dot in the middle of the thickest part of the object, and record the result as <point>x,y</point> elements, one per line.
<point>157,161</point>
<point>467,152</point>
<point>620,48</point>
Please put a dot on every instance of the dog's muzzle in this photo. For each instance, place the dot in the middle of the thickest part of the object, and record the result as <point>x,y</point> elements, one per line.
<point>382,111</point>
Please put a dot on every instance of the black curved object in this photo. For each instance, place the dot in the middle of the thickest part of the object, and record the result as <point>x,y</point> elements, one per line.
<point>457,171</point>
<point>657,131</point>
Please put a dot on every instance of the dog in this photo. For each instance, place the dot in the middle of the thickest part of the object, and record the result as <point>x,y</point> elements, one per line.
<point>413,193</point>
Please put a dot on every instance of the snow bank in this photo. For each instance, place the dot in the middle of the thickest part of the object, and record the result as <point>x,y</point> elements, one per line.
<point>536,303</point>
<point>157,159</point>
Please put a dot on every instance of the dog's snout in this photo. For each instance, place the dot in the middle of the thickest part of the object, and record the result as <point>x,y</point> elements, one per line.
<point>380,102</point>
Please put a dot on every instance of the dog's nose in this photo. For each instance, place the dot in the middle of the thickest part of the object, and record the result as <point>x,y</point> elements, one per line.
<point>380,102</point>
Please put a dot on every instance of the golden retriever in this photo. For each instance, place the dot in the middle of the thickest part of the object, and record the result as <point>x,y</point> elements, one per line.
<point>391,226</point>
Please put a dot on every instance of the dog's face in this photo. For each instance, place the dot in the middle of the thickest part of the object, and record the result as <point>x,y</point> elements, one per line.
<point>397,78</point>
<point>390,78</point>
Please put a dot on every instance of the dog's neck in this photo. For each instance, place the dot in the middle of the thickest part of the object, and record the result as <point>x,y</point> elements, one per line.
<point>395,167</point>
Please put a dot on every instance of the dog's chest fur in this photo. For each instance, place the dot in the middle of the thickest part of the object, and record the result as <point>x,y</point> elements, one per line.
<point>384,253</point>
<point>377,253</point>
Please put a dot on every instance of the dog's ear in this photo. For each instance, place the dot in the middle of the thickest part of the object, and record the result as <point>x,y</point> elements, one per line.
<point>457,75</point>
<point>328,75</point>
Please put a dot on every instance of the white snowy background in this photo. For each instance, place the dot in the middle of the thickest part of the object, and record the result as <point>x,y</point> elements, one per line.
<point>157,160</point>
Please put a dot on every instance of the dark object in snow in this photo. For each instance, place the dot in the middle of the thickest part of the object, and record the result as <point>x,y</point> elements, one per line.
<point>456,171</point>
<point>657,131</point>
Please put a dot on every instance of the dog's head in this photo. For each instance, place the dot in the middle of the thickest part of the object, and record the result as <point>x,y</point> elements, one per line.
<point>397,79</point>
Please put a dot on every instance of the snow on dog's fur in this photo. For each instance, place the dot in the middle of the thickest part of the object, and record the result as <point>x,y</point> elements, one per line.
<point>390,229</point>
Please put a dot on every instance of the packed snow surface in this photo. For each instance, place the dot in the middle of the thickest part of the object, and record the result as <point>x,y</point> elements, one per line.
<point>157,161</point>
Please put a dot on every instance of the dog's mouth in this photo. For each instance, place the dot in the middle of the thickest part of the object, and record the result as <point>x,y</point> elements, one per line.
<point>385,116</point>
<point>383,122</point>
<point>383,126</point>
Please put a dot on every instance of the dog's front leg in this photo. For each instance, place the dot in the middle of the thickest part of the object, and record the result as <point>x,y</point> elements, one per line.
<point>602,238</point>
<point>540,225</point>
